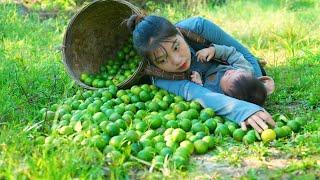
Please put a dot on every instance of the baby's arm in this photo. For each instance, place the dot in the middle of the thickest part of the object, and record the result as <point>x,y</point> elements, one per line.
<point>196,78</point>
<point>232,57</point>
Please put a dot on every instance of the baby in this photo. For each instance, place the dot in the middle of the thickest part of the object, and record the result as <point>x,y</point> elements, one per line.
<point>232,75</point>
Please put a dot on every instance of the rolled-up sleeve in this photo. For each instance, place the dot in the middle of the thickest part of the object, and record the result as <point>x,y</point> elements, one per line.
<point>233,109</point>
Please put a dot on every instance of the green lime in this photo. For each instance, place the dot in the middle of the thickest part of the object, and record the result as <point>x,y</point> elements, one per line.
<point>121,123</point>
<point>185,124</point>
<point>179,162</point>
<point>238,134</point>
<point>167,98</point>
<point>114,116</point>
<point>159,146</point>
<point>115,157</point>
<point>294,125</point>
<point>158,161</point>
<point>146,142</point>
<point>99,117</point>
<point>145,155</point>
<point>159,137</point>
<point>222,130</point>
<point>141,114</point>
<point>210,141</point>
<point>140,105</point>
<point>178,135</point>
<point>178,108</point>
<point>112,129</point>
<point>135,148</point>
<point>287,130</point>
<point>166,151</point>
<point>172,124</point>
<point>136,90</point>
<point>218,119</point>
<point>98,141</point>
<point>195,105</point>
<point>172,144</point>
<point>178,99</point>
<point>182,151</point>
<point>301,120</point>
<point>144,96</point>
<point>66,130</point>
<point>198,127</point>
<point>279,124</point>
<point>249,138</point>
<point>170,116</point>
<point>153,106</point>
<point>116,141</point>
<point>200,146</point>
<point>193,113</point>
<point>280,132</point>
<point>155,122</point>
<point>188,145</point>
<point>168,132</point>
<point>163,105</point>
<point>211,124</point>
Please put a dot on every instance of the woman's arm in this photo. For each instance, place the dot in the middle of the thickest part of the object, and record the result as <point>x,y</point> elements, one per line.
<point>241,112</point>
<point>233,109</point>
<point>216,35</point>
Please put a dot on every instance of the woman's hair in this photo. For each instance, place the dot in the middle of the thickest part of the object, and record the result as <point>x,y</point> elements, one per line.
<point>250,89</point>
<point>148,32</point>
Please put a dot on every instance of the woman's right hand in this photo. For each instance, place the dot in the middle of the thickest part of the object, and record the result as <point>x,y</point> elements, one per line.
<point>258,121</point>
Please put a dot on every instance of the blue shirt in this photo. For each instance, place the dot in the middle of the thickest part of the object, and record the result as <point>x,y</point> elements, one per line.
<point>231,108</point>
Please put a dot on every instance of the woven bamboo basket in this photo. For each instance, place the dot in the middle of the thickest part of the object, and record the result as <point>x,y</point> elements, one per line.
<point>93,35</point>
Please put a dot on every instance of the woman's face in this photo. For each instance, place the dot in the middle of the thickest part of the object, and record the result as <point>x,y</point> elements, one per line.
<point>230,77</point>
<point>175,55</point>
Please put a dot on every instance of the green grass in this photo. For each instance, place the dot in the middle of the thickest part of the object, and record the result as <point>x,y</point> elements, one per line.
<point>284,33</point>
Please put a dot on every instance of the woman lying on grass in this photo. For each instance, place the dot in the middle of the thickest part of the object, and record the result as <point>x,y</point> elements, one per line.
<point>163,45</point>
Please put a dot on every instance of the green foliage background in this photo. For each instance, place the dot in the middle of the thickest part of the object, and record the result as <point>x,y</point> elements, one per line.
<point>284,33</point>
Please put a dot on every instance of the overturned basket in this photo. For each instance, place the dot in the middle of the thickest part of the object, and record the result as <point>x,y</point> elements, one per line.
<point>93,36</point>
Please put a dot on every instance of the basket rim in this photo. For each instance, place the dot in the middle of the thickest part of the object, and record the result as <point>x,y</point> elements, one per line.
<point>71,22</point>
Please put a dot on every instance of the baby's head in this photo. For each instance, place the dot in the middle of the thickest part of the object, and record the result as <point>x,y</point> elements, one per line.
<point>244,86</point>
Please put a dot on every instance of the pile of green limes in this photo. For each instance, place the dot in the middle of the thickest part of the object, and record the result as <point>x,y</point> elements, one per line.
<point>115,70</point>
<point>147,123</point>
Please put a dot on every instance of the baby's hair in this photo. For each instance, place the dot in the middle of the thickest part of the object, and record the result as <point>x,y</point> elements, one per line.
<point>250,89</point>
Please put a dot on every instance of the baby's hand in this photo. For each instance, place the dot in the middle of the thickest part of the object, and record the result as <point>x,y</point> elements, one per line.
<point>204,55</point>
<point>196,78</point>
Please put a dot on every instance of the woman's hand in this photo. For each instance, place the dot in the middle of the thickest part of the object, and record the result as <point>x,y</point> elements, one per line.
<point>258,121</point>
<point>196,78</point>
<point>204,55</point>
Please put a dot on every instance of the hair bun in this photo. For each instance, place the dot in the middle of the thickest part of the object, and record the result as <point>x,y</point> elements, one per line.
<point>133,21</point>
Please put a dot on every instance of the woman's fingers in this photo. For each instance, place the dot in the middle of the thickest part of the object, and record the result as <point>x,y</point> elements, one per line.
<point>259,121</point>
<point>253,124</point>
<point>267,118</point>
<point>243,125</point>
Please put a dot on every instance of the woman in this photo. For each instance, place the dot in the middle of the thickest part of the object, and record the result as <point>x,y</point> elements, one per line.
<point>160,42</point>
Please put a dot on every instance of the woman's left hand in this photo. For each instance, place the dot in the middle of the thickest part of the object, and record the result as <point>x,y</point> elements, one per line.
<point>259,121</point>
<point>204,55</point>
